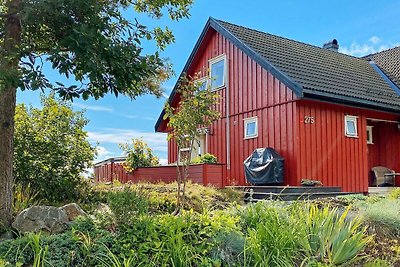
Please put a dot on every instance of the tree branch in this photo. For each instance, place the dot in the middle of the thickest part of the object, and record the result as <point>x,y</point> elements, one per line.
<point>7,15</point>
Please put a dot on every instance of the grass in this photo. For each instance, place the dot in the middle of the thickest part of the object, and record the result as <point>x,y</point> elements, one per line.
<point>215,229</point>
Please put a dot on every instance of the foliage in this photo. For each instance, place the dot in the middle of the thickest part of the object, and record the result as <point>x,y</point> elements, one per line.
<point>24,197</point>
<point>328,236</point>
<point>138,154</point>
<point>127,204</point>
<point>195,110</point>
<point>94,42</point>
<point>51,149</point>
<point>206,158</point>
<point>383,216</point>
<point>395,193</point>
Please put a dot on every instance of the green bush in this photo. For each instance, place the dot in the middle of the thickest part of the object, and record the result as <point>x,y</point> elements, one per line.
<point>395,194</point>
<point>138,154</point>
<point>127,204</point>
<point>51,150</point>
<point>206,158</point>
<point>383,216</point>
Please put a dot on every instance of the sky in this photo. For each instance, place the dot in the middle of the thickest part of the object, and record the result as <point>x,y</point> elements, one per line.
<point>361,28</point>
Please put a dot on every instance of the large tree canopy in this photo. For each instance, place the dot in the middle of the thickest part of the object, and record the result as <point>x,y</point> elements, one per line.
<point>90,41</point>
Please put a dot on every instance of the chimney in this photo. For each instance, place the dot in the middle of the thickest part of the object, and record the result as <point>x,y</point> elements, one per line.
<point>332,45</point>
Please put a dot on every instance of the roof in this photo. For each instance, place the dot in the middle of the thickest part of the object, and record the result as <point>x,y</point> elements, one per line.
<point>389,62</point>
<point>310,71</point>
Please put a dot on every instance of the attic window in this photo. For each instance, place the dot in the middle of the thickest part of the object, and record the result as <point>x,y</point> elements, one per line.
<point>350,123</point>
<point>217,72</point>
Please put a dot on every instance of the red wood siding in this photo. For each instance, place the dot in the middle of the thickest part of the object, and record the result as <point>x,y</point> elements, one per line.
<point>252,92</point>
<point>326,154</point>
<point>206,174</point>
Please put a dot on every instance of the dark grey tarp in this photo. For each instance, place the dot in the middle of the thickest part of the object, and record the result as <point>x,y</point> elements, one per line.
<point>264,167</point>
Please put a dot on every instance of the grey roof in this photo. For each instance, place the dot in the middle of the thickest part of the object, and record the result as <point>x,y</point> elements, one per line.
<point>319,72</point>
<point>389,62</point>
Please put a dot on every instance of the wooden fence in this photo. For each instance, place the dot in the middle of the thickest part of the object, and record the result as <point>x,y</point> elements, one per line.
<point>205,174</point>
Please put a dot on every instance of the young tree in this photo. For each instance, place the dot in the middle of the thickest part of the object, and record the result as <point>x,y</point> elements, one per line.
<point>195,111</point>
<point>138,154</point>
<point>51,149</point>
<point>90,40</point>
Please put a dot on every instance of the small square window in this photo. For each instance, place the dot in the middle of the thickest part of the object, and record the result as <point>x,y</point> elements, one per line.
<point>250,128</point>
<point>217,72</point>
<point>369,135</point>
<point>351,126</point>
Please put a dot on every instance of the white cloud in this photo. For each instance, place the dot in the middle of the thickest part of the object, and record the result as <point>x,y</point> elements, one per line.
<point>92,107</point>
<point>374,39</point>
<point>163,161</point>
<point>373,45</point>
<point>139,117</point>
<point>157,141</point>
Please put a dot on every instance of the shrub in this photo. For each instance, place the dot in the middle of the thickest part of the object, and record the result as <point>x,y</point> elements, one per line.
<point>138,154</point>
<point>24,197</point>
<point>51,149</point>
<point>383,216</point>
<point>206,158</point>
<point>127,204</point>
<point>395,194</point>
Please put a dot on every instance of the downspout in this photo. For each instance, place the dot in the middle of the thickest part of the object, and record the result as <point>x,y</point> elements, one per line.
<point>228,148</point>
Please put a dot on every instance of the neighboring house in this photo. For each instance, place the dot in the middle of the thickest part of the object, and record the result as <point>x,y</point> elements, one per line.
<point>331,116</point>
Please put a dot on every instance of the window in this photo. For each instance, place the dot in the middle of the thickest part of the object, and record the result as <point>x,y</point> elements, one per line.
<point>350,126</point>
<point>369,135</point>
<point>202,83</point>
<point>217,72</point>
<point>250,128</point>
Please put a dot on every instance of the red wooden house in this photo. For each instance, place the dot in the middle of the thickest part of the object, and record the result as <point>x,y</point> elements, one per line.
<point>331,116</point>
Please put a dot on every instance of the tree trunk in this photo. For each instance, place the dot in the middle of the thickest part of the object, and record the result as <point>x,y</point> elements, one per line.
<point>8,91</point>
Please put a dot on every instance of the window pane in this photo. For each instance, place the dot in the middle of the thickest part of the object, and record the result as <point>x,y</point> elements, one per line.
<point>251,129</point>
<point>351,128</point>
<point>217,74</point>
<point>202,85</point>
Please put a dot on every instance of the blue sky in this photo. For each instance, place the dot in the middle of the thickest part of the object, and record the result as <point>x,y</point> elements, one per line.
<point>361,27</point>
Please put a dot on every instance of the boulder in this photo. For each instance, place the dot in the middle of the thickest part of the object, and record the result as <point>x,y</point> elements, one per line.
<point>47,218</point>
<point>73,211</point>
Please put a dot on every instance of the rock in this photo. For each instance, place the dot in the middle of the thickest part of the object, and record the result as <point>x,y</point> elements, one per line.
<point>47,218</point>
<point>6,236</point>
<point>73,211</point>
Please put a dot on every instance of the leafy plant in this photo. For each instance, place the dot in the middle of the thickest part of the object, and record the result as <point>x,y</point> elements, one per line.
<point>138,154</point>
<point>51,150</point>
<point>206,158</point>
<point>195,110</point>
<point>326,235</point>
<point>39,252</point>
<point>395,193</point>
<point>24,197</point>
<point>383,216</point>
<point>127,204</point>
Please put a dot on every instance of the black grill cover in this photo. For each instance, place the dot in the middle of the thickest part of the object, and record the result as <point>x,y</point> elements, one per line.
<point>263,167</point>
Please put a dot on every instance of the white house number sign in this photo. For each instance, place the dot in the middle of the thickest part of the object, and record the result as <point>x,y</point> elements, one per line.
<point>309,119</point>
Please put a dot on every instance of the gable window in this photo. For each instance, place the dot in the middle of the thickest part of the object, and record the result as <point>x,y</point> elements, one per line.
<point>250,128</point>
<point>369,135</point>
<point>350,126</point>
<point>217,72</point>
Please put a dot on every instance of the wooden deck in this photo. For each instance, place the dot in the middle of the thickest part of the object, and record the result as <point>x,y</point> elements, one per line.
<point>380,190</point>
<point>288,193</point>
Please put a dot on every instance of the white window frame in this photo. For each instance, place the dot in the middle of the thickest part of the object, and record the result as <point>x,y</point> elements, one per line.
<point>370,140</point>
<point>202,80</point>
<point>247,121</point>
<point>213,61</point>
<point>350,118</point>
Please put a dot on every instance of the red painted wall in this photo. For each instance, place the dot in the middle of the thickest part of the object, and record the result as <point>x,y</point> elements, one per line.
<point>252,92</point>
<point>326,154</point>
